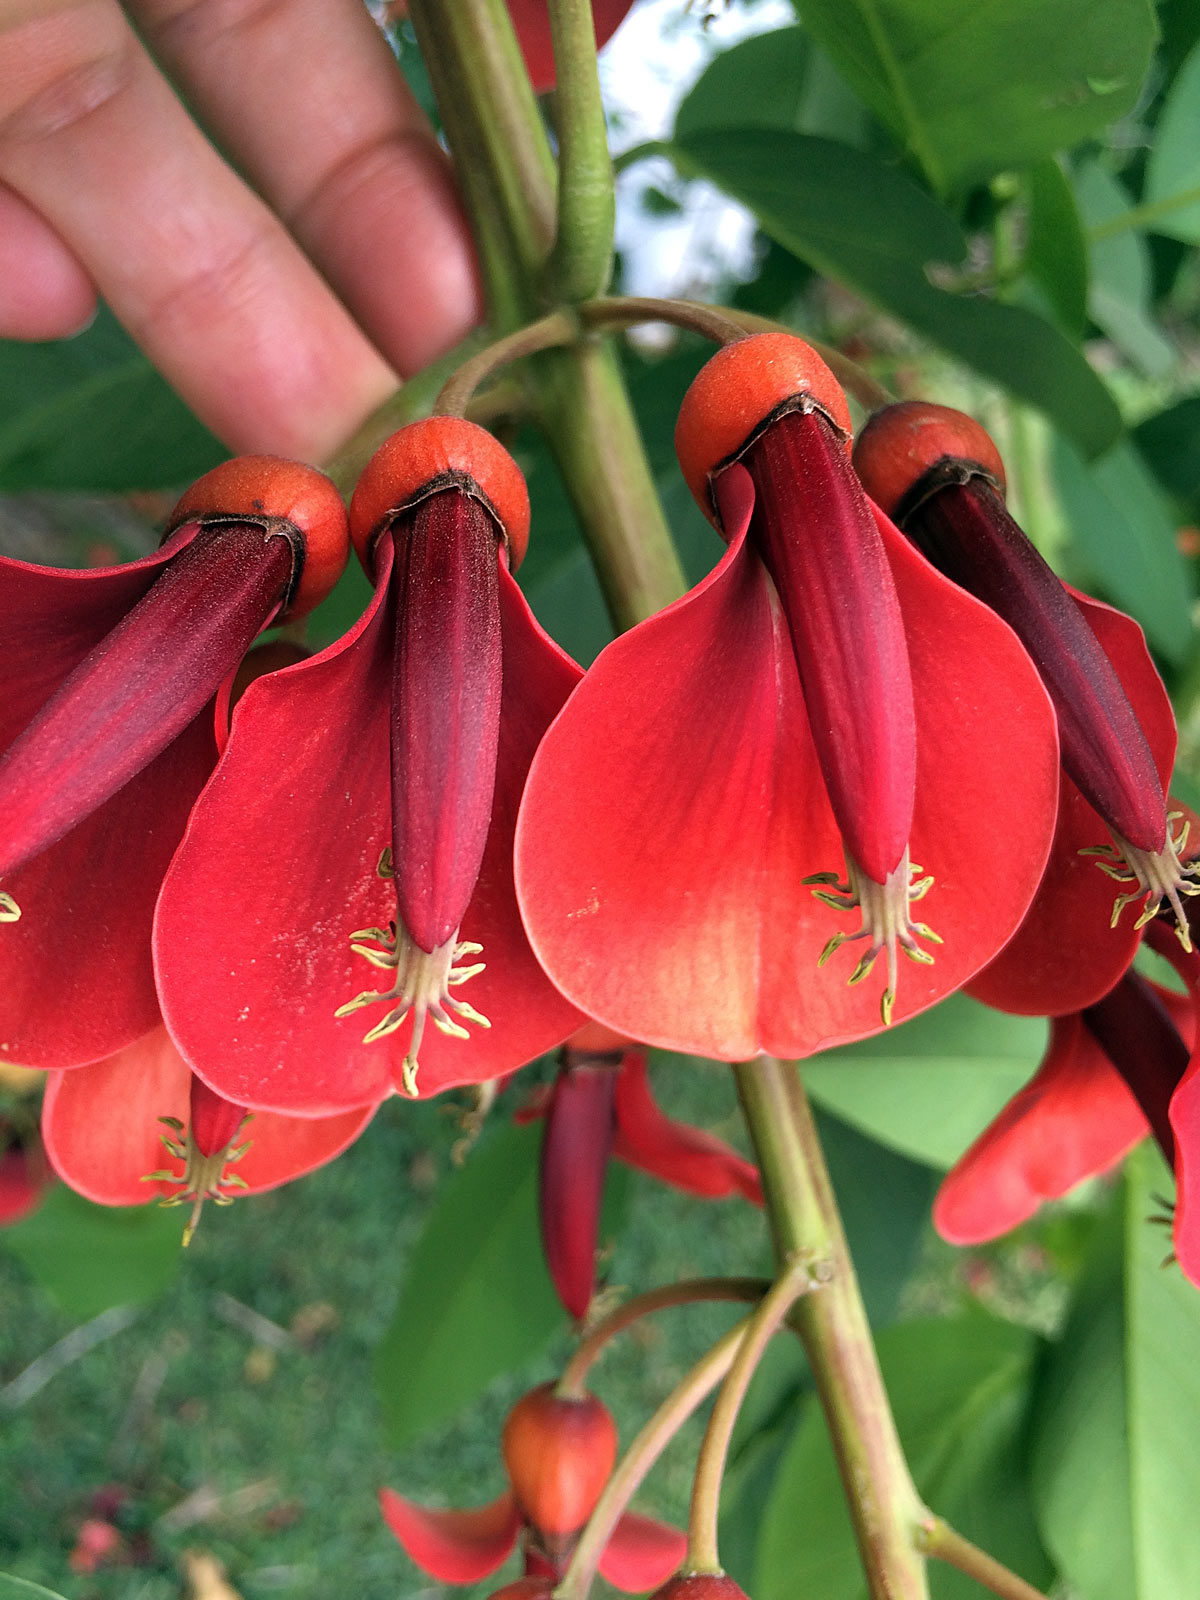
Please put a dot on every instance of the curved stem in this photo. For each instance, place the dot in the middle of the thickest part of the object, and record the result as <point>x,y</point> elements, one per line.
<point>622,311</point>
<point>689,1292</point>
<point>702,1553</point>
<point>581,261</point>
<point>558,328</point>
<point>641,152</point>
<point>938,1538</point>
<point>640,1457</point>
<point>884,1505</point>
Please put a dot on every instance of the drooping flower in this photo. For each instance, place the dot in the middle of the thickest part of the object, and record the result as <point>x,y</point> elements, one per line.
<point>558,1453</point>
<point>824,695</point>
<point>24,1174</point>
<point>600,1106</point>
<point>938,474</point>
<point>361,818</point>
<point>103,1130</point>
<point>107,679</point>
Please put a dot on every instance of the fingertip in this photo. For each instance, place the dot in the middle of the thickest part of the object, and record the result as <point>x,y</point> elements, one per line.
<point>44,291</point>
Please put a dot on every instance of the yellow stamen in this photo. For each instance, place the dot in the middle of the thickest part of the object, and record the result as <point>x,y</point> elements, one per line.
<point>203,1177</point>
<point>1160,874</point>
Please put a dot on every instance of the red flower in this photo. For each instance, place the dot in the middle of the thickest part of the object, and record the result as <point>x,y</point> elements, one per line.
<point>361,818</point>
<point>531,19</point>
<point>558,1452</point>
<point>600,1106</point>
<point>106,724</point>
<point>822,692</point>
<point>24,1174</point>
<point>102,1130</point>
<point>938,473</point>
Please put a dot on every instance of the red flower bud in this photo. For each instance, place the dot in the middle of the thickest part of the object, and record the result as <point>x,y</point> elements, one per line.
<point>700,1586</point>
<point>559,1454</point>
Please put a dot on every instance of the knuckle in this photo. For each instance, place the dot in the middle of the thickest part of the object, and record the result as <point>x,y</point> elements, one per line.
<point>60,70</point>
<point>180,25</point>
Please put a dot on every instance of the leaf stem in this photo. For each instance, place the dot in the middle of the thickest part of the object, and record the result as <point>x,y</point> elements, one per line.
<point>884,1505</point>
<point>581,262</point>
<point>797,1279</point>
<point>641,1456</point>
<point>1140,216</point>
<point>938,1538</point>
<point>689,1291</point>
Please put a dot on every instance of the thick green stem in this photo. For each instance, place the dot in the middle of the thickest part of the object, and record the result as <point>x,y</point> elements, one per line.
<point>939,1539</point>
<point>586,415</point>
<point>690,1291</point>
<point>640,1457</point>
<point>581,262</point>
<point>886,1510</point>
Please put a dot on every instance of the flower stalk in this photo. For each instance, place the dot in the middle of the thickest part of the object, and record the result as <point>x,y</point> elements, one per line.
<point>581,261</point>
<point>938,1538</point>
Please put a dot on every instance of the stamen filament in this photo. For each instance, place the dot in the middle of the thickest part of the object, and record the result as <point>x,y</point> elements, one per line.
<point>1162,875</point>
<point>885,920</point>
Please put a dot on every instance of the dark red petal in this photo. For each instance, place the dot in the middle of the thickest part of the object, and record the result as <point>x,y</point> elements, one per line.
<point>813,528</point>
<point>23,1179</point>
<point>212,1119</point>
<point>642,1553</point>
<point>453,1546</point>
<point>1066,954</point>
<point>1073,1119</point>
<point>140,687</point>
<point>278,869</point>
<point>102,1133</point>
<point>576,1142</point>
<point>445,708</point>
<point>1185,1108</point>
<point>668,898</point>
<point>687,1157</point>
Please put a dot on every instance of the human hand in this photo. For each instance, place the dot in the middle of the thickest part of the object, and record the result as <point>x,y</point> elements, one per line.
<point>280,285</point>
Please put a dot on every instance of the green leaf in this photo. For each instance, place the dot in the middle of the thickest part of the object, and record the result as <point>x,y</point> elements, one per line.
<point>1173,170</point>
<point>867,226</point>
<point>21,1589</point>
<point>92,413</point>
<point>1116,1470</point>
<point>90,1257</point>
<point>1056,250</point>
<point>1124,532</point>
<point>959,1389</point>
<point>1169,443</point>
<point>1119,298</point>
<point>781,79</point>
<point>929,1086</point>
<point>476,1299</point>
<point>971,90</point>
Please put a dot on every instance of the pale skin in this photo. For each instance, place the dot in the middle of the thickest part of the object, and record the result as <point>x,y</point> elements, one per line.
<point>284,250</point>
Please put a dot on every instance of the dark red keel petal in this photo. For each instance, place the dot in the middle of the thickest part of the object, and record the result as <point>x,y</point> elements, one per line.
<point>1073,1119</point>
<point>278,870</point>
<point>576,1143</point>
<point>102,1131</point>
<point>642,1553</point>
<point>454,1546</point>
<point>687,1158</point>
<point>1066,954</point>
<point>670,901</point>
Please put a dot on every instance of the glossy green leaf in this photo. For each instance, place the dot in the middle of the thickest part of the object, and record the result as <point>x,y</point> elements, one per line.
<point>781,79</point>
<point>476,1299</point>
<point>971,90</point>
<point>867,226</point>
<point>1169,443</point>
<point>1056,250</point>
<point>928,1087</point>
<point>90,1257</point>
<point>1116,1472</point>
<point>92,413</point>
<point>1124,533</point>
<point>1173,170</point>
<point>21,1589</point>
<point>959,1389</point>
<point>1119,297</point>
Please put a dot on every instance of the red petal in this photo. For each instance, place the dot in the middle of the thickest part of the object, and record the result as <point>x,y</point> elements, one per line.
<point>278,869</point>
<point>642,1553</point>
<point>1066,954</point>
<point>531,19</point>
<point>675,809</point>
<point>677,1153</point>
<point>23,1179</point>
<point>576,1143</point>
<point>1073,1119</point>
<point>101,1129</point>
<point>453,1546</point>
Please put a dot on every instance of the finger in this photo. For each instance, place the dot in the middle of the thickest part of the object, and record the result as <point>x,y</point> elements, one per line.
<point>306,97</point>
<point>206,279</point>
<point>44,292</point>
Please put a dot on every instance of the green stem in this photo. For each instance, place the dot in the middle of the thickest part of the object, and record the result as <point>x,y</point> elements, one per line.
<point>642,152</point>
<point>1139,216</point>
<point>688,1292</point>
<point>557,329</point>
<point>939,1539</point>
<point>640,1457</point>
<point>703,1555</point>
<point>581,262</point>
<point>886,1510</point>
<point>585,413</point>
